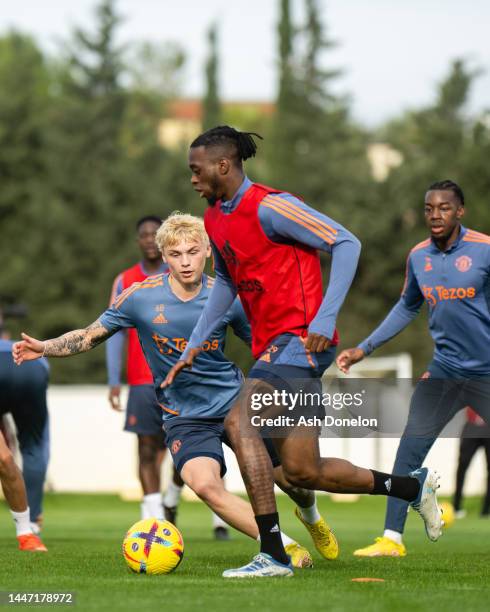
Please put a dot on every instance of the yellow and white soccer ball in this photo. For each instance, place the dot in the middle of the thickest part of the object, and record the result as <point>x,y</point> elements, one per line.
<point>448,515</point>
<point>153,547</point>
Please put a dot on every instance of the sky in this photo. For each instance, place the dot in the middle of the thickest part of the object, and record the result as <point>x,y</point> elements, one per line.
<point>392,52</point>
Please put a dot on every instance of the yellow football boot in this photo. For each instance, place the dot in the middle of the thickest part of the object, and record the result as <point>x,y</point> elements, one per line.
<point>323,537</point>
<point>300,557</point>
<point>382,547</point>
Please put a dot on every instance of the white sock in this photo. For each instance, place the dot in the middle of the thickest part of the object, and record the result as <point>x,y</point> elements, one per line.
<point>218,521</point>
<point>286,540</point>
<point>311,514</point>
<point>172,495</point>
<point>152,506</point>
<point>393,535</point>
<point>22,522</point>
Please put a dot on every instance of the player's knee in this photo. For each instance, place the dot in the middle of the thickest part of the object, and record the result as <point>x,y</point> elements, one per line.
<point>7,462</point>
<point>209,491</point>
<point>147,454</point>
<point>302,476</point>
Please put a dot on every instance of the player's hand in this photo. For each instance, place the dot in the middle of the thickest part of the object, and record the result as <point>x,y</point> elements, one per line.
<point>349,357</point>
<point>27,349</point>
<point>179,366</point>
<point>316,343</point>
<point>115,397</point>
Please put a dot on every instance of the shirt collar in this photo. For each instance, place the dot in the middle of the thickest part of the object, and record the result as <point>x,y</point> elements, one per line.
<point>230,205</point>
<point>460,237</point>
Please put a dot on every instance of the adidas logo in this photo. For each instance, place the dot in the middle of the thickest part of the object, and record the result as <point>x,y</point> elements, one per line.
<point>388,484</point>
<point>275,529</point>
<point>160,319</point>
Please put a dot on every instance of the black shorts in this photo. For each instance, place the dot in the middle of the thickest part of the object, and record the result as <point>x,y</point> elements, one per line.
<point>190,438</point>
<point>143,413</point>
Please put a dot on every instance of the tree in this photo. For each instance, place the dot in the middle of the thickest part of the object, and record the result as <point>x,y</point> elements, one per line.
<point>211,105</point>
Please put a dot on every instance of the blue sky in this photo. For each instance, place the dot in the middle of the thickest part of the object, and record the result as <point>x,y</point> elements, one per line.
<point>393,52</point>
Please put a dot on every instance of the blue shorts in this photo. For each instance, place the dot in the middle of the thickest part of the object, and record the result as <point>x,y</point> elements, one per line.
<point>287,366</point>
<point>143,413</point>
<point>190,438</point>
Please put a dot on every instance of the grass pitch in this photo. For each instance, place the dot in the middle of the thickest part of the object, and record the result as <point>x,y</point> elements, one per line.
<point>84,535</point>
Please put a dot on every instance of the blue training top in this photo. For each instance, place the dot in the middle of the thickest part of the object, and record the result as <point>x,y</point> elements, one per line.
<point>164,324</point>
<point>456,286</point>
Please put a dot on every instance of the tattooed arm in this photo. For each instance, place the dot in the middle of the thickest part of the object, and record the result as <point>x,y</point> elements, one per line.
<point>71,343</point>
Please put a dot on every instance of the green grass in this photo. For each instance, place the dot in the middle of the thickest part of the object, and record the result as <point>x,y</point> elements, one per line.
<point>84,533</point>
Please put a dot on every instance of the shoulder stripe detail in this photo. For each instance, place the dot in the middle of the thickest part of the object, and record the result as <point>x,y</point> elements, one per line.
<point>115,284</point>
<point>477,240</point>
<point>421,245</point>
<point>275,199</point>
<point>297,219</point>
<point>474,234</point>
<point>149,283</point>
<point>210,281</point>
<point>168,409</point>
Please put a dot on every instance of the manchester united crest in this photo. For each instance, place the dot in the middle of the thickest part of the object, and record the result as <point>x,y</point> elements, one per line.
<point>463,263</point>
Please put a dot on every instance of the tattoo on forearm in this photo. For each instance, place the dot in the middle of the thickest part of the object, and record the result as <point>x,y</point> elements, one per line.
<point>77,341</point>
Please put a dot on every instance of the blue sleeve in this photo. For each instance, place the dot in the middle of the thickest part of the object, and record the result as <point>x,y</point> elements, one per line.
<point>219,302</point>
<point>120,314</point>
<point>404,311</point>
<point>115,344</point>
<point>285,218</point>
<point>239,323</point>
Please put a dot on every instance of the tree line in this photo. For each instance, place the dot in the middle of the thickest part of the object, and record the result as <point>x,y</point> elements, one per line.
<point>80,162</point>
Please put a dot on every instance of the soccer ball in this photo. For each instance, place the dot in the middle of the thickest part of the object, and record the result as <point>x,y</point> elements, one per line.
<point>447,514</point>
<point>153,547</point>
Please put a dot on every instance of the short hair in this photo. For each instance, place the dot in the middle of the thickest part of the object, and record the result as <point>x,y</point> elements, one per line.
<point>241,145</point>
<point>180,226</point>
<point>448,185</point>
<point>153,218</point>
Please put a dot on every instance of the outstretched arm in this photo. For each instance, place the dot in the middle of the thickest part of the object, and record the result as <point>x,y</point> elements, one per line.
<point>404,311</point>
<point>71,343</point>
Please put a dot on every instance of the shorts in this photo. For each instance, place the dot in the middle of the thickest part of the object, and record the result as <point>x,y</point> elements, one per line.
<point>143,413</point>
<point>288,368</point>
<point>190,438</point>
<point>23,394</point>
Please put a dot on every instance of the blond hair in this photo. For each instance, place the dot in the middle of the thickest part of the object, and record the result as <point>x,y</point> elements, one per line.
<point>180,227</point>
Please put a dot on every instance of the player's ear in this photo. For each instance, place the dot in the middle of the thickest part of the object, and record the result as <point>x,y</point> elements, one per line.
<point>224,166</point>
<point>460,212</point>
<point>208,251</point>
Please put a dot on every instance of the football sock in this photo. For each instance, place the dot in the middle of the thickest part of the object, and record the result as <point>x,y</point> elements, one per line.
<point>311,514</point>
<point>393,535</point>
<point>403,487</point>
<point>172,495</point>
<point>270,537</point>
<point>218,521</point>
<point>152,504</point>
<point>22,522</point>
<point>286,540</point>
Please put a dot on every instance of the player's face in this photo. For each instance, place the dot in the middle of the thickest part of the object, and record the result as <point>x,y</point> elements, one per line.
<point>146,240</point>
<point>207,173</point>
<point>443,212</point>
<point>186,261</point>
